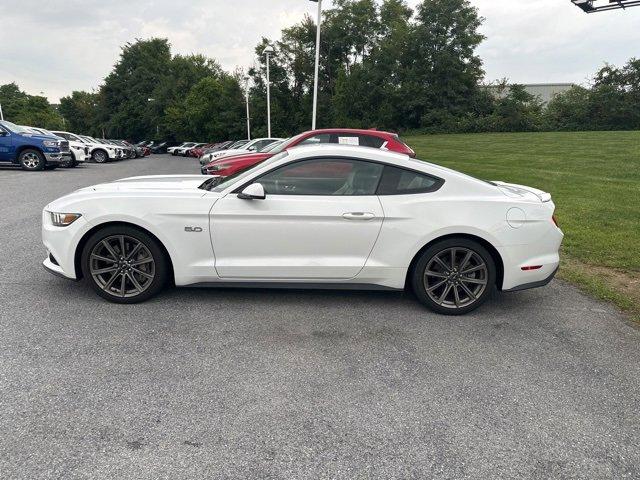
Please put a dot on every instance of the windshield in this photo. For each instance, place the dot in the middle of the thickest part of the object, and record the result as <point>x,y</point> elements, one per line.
<point>271,147</point>
<point>238,176</point>
<point>287,143</point>
<point>238,144</point>
<point>15,128</point>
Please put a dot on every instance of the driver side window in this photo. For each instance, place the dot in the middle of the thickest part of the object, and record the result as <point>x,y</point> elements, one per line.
<point>326,176</point>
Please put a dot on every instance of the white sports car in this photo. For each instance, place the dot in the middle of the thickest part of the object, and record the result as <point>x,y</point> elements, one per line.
<point>325,216</point>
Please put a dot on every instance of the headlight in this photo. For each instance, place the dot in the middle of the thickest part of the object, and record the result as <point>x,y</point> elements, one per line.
<point>216,168</point>
<point>63,219</point>
<point>51,143</point>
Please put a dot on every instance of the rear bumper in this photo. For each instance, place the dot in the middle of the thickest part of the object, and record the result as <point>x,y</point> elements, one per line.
<point>539,283</point>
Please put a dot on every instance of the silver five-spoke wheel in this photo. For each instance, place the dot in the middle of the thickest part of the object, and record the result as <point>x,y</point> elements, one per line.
<point>122,266</point>
<point>455,277</point>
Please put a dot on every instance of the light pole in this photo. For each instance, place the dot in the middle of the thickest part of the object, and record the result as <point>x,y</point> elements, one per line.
<point>268,51</point>
<point>1,114</point>
<point>246,80</point>
<point>315,80</point>
<point>150,100</point>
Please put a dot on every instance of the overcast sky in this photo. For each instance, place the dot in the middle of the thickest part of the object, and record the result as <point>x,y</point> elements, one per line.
<point>56,46</point>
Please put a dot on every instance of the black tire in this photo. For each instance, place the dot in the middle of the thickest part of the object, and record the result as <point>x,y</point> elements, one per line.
<point>71,163</point>
<point>156,272</point>
<point>451,291</point>
<point>32,160</point>
<point>99,156</point>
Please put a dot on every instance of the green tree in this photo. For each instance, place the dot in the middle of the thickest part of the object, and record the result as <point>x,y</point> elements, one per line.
<point>79,112</point>
<point>125,100</point>
<point>213,109</point>
<point>30,110</point>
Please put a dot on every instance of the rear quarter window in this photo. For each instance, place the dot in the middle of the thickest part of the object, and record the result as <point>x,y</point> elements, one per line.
<point>398,181</point>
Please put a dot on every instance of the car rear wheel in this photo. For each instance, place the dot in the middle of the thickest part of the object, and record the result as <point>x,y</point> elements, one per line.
<point>454,276</point>
<point>124,264</point>
<point>32,160</point>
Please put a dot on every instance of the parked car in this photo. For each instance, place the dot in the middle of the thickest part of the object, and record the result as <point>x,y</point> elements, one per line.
<point>101,152</point>
<point>269,148</point>
<point>173,150</point>
<point>329,216</point>
<point>162,147</point>
<point>22,147</point>
<point>79,151</point>
<point>185,152</point>
<point>206,151</point>
<point>255,145</point>
<point>127,150</point>
<point>345,136</point>
<point>197,152</point>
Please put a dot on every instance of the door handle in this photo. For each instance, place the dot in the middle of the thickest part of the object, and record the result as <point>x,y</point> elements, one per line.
<point>359,216</point>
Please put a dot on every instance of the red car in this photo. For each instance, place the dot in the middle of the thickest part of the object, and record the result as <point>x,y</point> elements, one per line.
<point>366,138</point>
<point>199,151</point>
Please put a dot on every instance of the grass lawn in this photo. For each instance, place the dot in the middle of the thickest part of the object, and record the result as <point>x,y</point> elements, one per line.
<point>594,178</point>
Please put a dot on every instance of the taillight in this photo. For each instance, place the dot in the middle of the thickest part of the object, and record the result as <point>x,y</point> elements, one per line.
<point>555,221</point>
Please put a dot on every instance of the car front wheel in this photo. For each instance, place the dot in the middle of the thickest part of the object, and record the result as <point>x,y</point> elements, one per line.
<point>124,264</point>
<point>454,276</point>
<point>32,160</point>
<point>99,156</point>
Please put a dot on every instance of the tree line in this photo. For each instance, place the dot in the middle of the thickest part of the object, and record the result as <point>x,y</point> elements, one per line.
<point>383,65</point>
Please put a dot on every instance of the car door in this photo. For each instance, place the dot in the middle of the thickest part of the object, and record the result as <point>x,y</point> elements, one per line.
<point>320,220</point>
<point>6,147</point>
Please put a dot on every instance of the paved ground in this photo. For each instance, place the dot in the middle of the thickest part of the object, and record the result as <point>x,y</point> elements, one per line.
<point>280,384</point>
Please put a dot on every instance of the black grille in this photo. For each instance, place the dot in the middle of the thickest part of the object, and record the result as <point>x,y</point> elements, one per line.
<point>64,146</point>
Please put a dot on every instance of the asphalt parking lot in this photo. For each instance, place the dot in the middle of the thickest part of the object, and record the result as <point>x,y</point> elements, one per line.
<point>297,384</point>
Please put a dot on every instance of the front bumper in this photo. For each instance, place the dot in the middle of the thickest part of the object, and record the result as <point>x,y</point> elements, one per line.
<point>57,157</point>
<point>79,154</point>
<point>55,269</point>
<point>61,244</point>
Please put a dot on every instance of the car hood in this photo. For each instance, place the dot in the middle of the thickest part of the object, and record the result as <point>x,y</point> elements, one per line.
<point>240,158</point>
<point>151,182</point>
<point>42,137</point>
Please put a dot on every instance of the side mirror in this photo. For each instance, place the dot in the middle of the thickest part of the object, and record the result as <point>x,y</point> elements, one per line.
<point>255,191</point>
<point>3,133</point>
<point>251,149</point>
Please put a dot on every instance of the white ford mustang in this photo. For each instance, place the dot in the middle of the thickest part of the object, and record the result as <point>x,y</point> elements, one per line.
<point>325,216</point>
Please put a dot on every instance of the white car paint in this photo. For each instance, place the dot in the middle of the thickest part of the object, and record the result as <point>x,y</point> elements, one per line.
<point>308,238</point>
<point>113,152</point>
<point>81,150</point>
<point>250,147</point>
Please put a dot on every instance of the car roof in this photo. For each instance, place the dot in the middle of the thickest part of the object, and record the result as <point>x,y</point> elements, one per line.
<point>366,153</point>
<point>351,130</point>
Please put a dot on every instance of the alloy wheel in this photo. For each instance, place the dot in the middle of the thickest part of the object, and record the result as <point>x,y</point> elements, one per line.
<point>30,160</point>
<point>122,266</point>
<point>456,277</point>
<point>100,157</point>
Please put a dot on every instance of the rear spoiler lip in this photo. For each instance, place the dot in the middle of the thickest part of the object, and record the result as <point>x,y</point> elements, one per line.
<point>544,197</point>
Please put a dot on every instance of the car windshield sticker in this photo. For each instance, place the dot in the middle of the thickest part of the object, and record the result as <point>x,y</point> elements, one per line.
<point>348,140</point>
